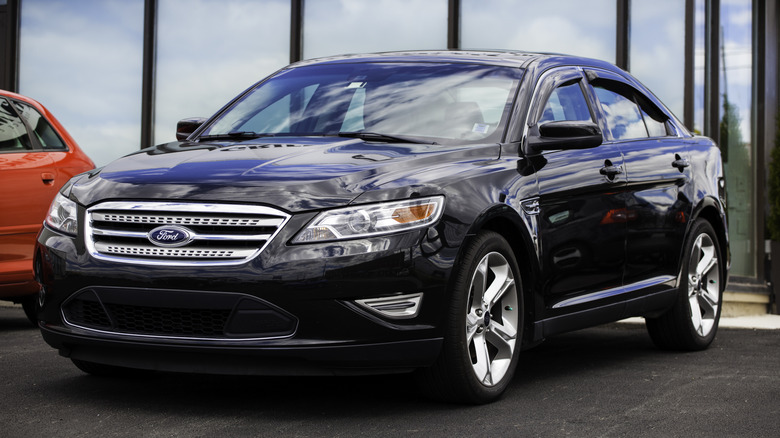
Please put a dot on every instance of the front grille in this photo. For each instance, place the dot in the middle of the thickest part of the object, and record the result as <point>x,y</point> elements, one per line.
<point>168,321</point>
<point>217,233</point>
<point>176,314</point>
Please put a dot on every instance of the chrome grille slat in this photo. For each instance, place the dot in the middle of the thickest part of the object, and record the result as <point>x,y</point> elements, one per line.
<point>154,251</point>
<point>220,234</point>
<point>216,237</point>
<point>184,220</point>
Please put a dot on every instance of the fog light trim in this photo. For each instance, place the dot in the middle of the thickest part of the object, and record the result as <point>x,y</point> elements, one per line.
<point>394,307</point>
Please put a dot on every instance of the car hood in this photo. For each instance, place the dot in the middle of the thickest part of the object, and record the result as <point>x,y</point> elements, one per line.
<point>295,174</point>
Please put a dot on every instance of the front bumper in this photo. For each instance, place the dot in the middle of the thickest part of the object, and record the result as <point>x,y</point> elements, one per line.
<point>311,292</point>
<point>318,359</point>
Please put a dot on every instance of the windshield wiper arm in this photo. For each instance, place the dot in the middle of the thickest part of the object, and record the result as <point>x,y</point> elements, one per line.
<point>375,136</point>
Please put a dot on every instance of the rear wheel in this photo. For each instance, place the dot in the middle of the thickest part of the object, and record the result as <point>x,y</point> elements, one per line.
<point>484,327</point>
<point>693,321</point>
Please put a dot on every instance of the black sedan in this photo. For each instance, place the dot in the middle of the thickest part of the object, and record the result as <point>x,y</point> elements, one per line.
<point>427,212</point>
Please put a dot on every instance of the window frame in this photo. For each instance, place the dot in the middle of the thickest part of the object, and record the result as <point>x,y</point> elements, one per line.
<point>35,144</point>
<point>548,82</point>
<point>644,104</point>
<point>34,134</point>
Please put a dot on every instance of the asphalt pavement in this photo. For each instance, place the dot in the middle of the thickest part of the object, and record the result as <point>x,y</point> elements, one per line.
<point>600,382</point>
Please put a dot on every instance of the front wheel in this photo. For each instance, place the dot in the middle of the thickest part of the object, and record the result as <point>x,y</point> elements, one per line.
<point>484,326</point>
<point>693,321</point>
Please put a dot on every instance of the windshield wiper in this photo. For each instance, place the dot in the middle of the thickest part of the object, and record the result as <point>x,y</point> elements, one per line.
<point>234,135</point>
<point>375,136</point>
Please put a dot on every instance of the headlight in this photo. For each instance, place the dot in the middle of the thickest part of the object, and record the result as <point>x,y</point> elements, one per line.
<point>62,215</point>
<point>372,220</point>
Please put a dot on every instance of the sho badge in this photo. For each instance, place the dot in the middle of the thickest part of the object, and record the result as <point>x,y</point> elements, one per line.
<point>170,235</point>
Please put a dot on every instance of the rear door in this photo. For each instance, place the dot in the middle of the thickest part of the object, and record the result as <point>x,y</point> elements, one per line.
<point>657,169</point>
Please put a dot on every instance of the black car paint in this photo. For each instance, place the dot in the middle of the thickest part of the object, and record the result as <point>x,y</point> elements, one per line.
<point>492,186</point>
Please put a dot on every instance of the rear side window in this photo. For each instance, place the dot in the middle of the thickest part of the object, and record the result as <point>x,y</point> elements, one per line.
<point>43,131</point>
<point>628,115</point>
<point>13,134</point>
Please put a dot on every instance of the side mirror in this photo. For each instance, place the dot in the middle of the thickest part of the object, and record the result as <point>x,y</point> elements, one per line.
<point>185,127</point>
<point>565,135</point>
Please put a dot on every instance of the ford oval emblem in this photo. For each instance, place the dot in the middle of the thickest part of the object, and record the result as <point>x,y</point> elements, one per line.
<point>170,235</point>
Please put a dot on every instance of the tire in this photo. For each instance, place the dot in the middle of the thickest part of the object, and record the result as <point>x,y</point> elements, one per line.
<point>483,328</point>
<point>691,324</point>
<point>30,306</point>
<point>103,370</point>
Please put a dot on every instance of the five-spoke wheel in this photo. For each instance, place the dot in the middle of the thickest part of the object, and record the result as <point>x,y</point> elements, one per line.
<point>703,284</point>
<point>491,319</point>
<point>484,325</point>
<point>692,322</point>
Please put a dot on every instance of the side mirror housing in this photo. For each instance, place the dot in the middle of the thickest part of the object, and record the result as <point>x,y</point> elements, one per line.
<point>185,127</point>
<point>565,135</point>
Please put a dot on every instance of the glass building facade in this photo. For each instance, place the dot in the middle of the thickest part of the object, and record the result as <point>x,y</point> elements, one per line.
<point>120,73</point>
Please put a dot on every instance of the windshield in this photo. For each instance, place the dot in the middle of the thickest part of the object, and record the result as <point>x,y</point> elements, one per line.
<point>436,103</point>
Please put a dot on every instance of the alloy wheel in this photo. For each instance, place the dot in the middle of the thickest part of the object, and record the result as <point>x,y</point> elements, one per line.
<point>703,284</point>
<point>492,319</point>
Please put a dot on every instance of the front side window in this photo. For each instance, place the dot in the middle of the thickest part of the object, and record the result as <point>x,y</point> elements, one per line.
<point>441,103</point>
<point>566,103</point>
<point>13,134</point>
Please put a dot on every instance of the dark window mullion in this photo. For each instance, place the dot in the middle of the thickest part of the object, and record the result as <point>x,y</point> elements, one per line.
<point>689,74</point>
<point>149,73</point>
<point>296,30</point>
<point>453,24</point>
<point>623,34</point>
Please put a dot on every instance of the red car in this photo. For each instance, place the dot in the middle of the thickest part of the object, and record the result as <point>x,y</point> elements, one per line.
<point>37,156</point>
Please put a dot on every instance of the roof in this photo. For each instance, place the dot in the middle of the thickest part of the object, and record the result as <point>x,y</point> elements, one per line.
<point>507,58</point>
<point>504,58</point>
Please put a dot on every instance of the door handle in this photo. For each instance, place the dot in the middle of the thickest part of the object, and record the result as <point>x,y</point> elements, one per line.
<point>47,178</point>
<point>680,163</point>
<point>610,171</point>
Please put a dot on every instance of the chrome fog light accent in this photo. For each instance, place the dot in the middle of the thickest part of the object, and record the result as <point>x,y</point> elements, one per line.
<point>395,307</point>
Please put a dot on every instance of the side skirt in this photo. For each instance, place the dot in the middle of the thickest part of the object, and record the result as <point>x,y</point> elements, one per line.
<point>653,303</point>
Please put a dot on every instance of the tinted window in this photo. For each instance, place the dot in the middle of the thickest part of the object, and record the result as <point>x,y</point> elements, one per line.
<point>566,103</point>
<point>655,127</point>
<point>13,134</point>
<point>43,131</point>
<point>629,115</point>
<point>624,121</point>
<point>444,101</point>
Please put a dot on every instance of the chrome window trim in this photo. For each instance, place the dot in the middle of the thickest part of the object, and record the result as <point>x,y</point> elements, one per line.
<point>183,207</point>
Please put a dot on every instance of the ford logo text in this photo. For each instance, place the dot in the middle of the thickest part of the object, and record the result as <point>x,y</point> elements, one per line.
<point>171,236</point>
